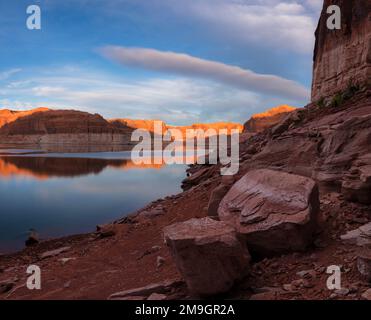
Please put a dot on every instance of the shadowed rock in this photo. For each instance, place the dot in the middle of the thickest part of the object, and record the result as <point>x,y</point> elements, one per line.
<point>208,254</point>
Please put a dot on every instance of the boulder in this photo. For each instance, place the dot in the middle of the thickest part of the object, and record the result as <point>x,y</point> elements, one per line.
<point>356,185</point>
<point>208,253</point>
<point>106,230</point>
<point>275,211</point>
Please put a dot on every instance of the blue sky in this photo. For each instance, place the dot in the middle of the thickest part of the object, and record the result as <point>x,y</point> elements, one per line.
<point>182,61</point>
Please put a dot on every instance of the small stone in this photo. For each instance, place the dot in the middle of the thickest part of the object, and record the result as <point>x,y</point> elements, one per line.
<point>367,294</point>
<point>364,265</point>
<point>65,260</point>
<point>310,273</point>
<point>157,297</point>
<point>359,237</point>
<point>6,285</point>
<point>163,287</point>
<point>297,283</point>
<point>160,261</point>
<point>287,287</point>
<point>52,253</point>
<point>33,238</point>
<point>106,230</point>
<point>342,292</point>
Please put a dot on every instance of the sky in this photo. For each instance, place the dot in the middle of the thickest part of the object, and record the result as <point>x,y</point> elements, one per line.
<point>181,61</point>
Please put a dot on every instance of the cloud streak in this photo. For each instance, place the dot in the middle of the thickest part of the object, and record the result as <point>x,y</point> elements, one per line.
<point>8,73</point>
<point>186,65</point>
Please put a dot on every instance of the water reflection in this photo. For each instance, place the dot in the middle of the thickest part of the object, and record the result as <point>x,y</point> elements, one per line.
<point>61,194</point>
<point>48,167</point>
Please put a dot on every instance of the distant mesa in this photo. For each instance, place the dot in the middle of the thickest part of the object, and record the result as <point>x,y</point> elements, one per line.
<point>262,121</point>
<point>46,126</point>
<point>8,116</point>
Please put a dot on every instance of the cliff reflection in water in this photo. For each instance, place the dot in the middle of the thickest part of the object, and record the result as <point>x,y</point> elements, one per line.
<point>48,167</point>
<point>70,193</point>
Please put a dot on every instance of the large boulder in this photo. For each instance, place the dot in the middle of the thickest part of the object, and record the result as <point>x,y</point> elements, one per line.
<point>276,211</point>
<point>208,253</point>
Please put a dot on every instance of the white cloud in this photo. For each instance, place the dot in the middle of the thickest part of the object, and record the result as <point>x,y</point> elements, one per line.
<point>186,65</point>
<point>283,25</point>
<point>176,101</point>
<point>8,73</point>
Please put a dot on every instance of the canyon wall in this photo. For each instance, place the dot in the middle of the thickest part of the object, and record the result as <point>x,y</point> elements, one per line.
<point>342,58</point>
<point>70,127</point>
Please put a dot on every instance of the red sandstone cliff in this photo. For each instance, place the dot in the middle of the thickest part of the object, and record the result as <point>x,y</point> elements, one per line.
<point>342,57</point>
<point>44,125</point>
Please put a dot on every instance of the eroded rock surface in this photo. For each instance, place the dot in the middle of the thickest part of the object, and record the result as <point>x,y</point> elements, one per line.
<point>275,211</point>
<point>342,57</point>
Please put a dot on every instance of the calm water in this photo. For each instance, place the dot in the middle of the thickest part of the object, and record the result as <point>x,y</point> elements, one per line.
<point>60,194</point>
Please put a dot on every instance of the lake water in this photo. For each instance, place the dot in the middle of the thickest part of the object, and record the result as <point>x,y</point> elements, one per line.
<point>60,194</point>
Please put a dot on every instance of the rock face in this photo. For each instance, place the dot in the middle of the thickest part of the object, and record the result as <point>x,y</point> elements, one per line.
<point>8,116</point>
<point>342,57</point>
<point>260,122</point>
<point>333,149</point>
<point>275,211</point>
<point>208,254</point>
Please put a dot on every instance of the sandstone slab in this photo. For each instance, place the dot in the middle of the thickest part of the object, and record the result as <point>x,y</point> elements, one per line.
<point>208,253</point>
<point>275,211</point>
